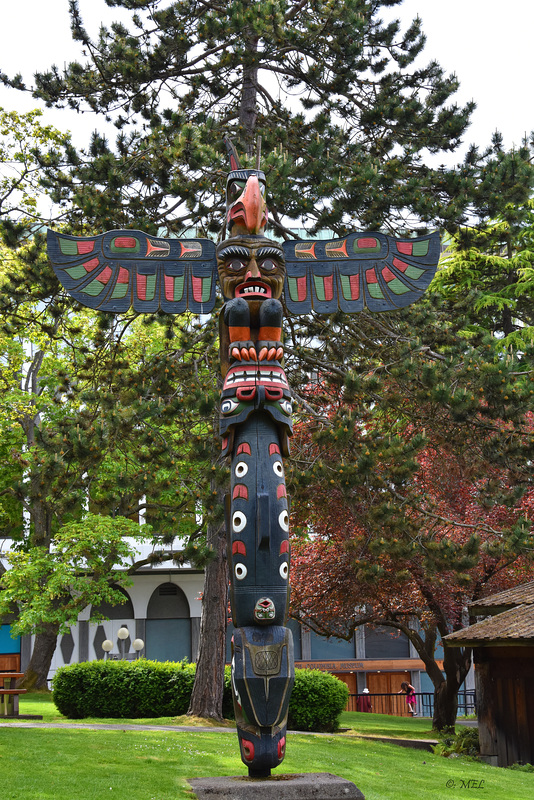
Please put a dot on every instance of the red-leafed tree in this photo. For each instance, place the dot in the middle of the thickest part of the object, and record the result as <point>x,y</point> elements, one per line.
<point>449,545</point>
<point>412,490</point>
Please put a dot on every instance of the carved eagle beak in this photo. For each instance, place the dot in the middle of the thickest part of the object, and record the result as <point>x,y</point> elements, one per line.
<point>249,212</point>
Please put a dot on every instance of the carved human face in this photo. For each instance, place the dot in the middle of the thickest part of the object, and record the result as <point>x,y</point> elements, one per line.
<point>251,267</point>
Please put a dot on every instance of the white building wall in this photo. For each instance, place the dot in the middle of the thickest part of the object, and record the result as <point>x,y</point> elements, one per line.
<point>139,592</point>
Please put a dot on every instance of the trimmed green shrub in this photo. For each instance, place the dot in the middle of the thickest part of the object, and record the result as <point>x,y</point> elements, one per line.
<point>133,689</point>
<point>123,689</point>
<point>317,700</point>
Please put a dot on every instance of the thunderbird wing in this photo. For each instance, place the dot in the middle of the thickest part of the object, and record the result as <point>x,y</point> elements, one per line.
<point>123,269</point>
<point>361,270</point>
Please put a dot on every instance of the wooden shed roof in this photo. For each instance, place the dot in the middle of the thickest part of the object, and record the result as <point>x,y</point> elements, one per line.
<point>512,627</point>
<point>510,598</point>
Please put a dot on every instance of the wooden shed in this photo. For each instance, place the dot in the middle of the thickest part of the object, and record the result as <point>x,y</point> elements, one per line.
<point>503,654</point>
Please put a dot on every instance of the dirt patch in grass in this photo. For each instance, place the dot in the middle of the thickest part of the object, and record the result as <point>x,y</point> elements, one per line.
<point>202,722</point>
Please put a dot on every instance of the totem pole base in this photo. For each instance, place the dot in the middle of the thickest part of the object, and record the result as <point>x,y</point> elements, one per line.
<point>307,786</point>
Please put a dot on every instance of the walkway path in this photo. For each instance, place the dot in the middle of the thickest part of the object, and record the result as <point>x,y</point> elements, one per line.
<point>97,726</point>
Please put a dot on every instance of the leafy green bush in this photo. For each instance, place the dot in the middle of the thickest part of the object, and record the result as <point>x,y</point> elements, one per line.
<point>317,700</point>
<point>464,743</point>
<point>123,689</point>
<point>228,697</point>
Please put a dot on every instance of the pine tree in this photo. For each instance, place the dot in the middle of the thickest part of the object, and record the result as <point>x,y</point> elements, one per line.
<point>489,271</point>
<point>344,115</point>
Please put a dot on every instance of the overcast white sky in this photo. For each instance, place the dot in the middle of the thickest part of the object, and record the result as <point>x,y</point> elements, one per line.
<point>487,43</point>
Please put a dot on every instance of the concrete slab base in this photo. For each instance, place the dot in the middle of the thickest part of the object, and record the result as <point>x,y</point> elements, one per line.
<point>308,786</point>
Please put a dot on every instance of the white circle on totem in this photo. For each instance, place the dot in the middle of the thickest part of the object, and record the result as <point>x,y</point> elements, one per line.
<point>240,571</point>
<point>278,468</point>
<point>283,519</point>
<point>284,570</point>
<point>241,469</point>
<point>238,521</point>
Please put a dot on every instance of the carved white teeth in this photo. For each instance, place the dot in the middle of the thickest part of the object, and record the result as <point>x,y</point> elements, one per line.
<point>254,290</point>
<point>261,376</point>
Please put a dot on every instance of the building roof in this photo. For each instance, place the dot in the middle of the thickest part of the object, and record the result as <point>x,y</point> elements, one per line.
<point>510,598</point>
<point>515,626</point>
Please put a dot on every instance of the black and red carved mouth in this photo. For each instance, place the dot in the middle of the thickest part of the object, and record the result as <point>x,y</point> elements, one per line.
<point>255,373</point>
<point>253,290</point>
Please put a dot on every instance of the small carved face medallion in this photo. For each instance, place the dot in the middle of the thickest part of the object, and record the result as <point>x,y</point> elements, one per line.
<point>251,267</point>
<point>264,611</point>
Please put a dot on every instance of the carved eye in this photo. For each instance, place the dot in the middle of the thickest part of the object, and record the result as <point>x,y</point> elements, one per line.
<point>284,570</point>
<point>267,265</point>
<point>238,521</point>
<point>278,469</point>
<point>235,265</point>
<point>283,520</point>
<point>234,189</point>
<point>227,406</point>
<point>241,469</point>
<point>286,407</point>
<point>240,571</point>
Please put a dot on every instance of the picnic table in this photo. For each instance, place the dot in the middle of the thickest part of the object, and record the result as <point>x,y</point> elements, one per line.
<point>9,695</point>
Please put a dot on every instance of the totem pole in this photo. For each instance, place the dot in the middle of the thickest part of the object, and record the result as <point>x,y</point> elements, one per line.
<point>121,269</point>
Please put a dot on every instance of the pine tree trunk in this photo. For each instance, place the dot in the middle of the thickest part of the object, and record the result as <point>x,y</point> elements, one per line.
<point>248,110</point>
<point>207,695</point>
<point>44,647</point>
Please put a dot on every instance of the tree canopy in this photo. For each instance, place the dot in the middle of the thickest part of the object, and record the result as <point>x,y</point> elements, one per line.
<point>346,117</point>
<point>26,145</point>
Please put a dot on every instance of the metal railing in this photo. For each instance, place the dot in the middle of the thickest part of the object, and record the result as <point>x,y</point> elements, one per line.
<point>395,704</point>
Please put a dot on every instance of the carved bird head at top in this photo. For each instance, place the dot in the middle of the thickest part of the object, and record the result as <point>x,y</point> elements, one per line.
<point>246,207</point>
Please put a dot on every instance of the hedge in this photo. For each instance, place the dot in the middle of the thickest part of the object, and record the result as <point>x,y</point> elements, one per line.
<point>317,700</point>
<point>142,688</point>
<point>117,689</point>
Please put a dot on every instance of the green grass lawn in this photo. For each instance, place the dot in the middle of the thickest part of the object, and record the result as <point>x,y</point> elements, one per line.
<point>384,725</point>
<point>41,703</point>
<point>67,764</point>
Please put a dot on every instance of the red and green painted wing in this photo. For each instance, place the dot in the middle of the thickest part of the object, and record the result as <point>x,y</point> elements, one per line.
<point>118,270</point>
<point>362,270</point>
